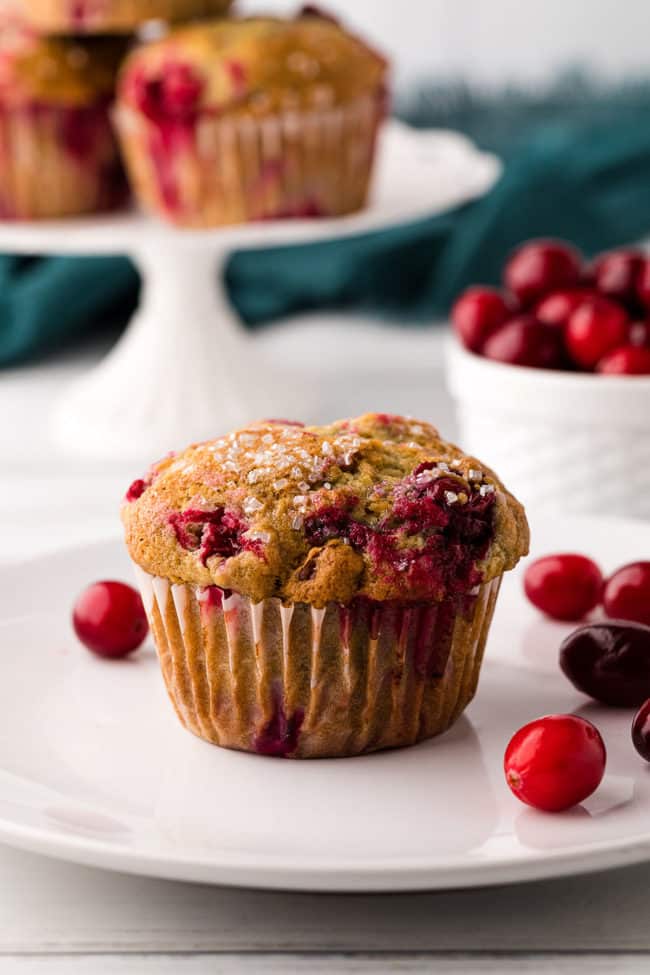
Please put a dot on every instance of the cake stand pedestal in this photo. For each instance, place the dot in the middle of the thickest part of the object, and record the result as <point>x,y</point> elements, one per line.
<point>184,369</point>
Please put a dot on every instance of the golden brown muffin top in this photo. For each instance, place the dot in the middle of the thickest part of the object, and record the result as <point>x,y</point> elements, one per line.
<point>256,66</point>
<point>55,70</point>
<point>379,506</point>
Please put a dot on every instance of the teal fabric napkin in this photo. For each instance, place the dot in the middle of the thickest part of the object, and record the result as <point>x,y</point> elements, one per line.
<point>577,165</point>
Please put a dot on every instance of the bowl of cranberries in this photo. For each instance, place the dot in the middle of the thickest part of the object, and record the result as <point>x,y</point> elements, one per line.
<point>551,377</point>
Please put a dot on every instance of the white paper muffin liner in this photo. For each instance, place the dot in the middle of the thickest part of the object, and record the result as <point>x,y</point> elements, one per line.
<point>233,170</point>
<point>300,682</point>
<point>42,177</point>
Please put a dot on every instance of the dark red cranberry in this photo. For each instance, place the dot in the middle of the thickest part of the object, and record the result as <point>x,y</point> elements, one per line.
<point>596,327</point>
<point>523,341</point>
<point>628,360</point>
<point>477,314</point>
<point>609,661</point>
<point>555,762</point>
<point>109,619</point>
<point>279,737</point>
<point>541,266</point>
<point>641,730</point>
<point>565,587</point>
<point>615,275</point>
<point>643,283</point>
<point>626,595</point>
<point>557,308</point>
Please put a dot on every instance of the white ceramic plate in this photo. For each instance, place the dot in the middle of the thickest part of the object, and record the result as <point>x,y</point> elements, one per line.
<point>94,767</point>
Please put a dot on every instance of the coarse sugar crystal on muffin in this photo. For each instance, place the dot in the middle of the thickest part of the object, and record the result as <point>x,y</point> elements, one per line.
<point>235,120</point>
<point>113,16</point>
<point>341,578</point>
<point>58,154</point>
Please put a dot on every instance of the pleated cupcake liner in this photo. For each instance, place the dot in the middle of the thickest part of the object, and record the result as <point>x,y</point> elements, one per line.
<point>233,170</point>
<point>299,682</point>
<point>58,161</point>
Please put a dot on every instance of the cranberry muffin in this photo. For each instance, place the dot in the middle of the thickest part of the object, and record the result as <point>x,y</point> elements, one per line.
<point>239,120</point>
<point>112,16</point>
<point>321,591</point>
<point>58,154</point>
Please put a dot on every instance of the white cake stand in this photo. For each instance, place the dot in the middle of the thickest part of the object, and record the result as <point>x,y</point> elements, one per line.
<point>184,369</point>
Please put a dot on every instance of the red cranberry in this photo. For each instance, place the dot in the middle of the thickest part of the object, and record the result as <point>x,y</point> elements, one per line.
<point>477,314</point>
<point>626,595</point>
<point>615,274</point>
<point>523,341</point>
<point>541,266</point>
<point>643,283</point>
<point>557,308</point>
<point>181,90</point>
<point>596,327</point>
<point>555,762</point>
<point>628,360</point>
<point>565,587</point>
<point>640,333</point>
<point>173,96</point>
<point>109,619</point>
<point>641,730</point>
<point>609,661</point>
<point>136,490</point>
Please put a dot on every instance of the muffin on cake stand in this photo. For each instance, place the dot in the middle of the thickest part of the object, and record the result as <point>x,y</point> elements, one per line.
<point>184,368</point>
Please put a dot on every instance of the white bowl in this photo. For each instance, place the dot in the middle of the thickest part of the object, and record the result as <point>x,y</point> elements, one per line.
<point>561,441</point>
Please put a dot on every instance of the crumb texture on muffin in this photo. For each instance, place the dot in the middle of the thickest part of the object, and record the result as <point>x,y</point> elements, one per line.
<point>253,66</point>
<point>379,507</point>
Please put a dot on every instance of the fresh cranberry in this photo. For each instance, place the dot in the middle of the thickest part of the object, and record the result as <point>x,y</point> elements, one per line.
<point>555,762</point>
<point>109,619</point>
<point>565,587</point>
<point>523,341</point>
<point>477,314</point>
<point>539,267</point>
<point>641,730</point>
<point>557,308</point>
<point>640,333</point>
<point>628,360</point>
<point>643,283</point>
<point>596,327</point>
<point>626,595</point>
<point>609,661</point>
<point>615,275</point>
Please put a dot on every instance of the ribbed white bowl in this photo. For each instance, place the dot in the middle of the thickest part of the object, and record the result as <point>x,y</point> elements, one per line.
<point>560,441</point>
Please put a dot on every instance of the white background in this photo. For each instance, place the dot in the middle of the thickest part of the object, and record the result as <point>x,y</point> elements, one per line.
<point>490,40</point>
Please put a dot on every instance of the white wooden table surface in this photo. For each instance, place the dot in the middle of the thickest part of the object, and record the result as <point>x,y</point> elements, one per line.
<point>58,918</point>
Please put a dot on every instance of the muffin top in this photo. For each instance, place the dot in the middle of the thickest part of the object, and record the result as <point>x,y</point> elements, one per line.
<point>51,70</point>
<point>251,66</point>
<point>378,506</point>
